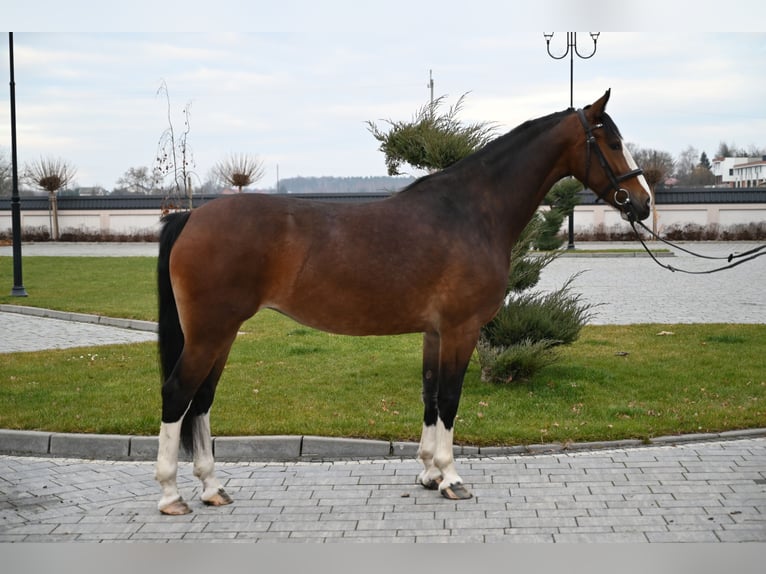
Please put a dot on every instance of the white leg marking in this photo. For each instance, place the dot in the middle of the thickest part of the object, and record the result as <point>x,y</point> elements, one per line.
<point>204,464</point>
<point>426,452</point>
<point>167,463</point>
<point>444,458</point>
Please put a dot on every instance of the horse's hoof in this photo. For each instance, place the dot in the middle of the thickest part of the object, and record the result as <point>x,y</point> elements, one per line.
<point>220,498</point>
<point>431,484</point>
<point>456,492</point>
<point>176,508</point>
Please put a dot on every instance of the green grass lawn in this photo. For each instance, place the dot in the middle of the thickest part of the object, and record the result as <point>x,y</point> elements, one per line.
<point>615,382</point>
<point>110,286</point>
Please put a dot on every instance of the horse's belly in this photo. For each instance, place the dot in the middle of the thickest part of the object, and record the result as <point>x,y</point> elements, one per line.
<point>354,316</point>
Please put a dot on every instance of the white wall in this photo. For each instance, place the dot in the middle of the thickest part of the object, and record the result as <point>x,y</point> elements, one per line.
<point>118,221</point>
<point>126,222</point>
<point>588,216</point>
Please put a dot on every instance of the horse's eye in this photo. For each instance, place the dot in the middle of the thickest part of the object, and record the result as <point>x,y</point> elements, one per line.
<point>615,146</point>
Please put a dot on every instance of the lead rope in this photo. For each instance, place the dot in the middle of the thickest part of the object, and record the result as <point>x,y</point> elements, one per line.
<point>748,255</point>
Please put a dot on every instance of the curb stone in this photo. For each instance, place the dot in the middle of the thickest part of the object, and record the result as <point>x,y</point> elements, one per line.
<point>296,447</point>
<point>89,445</point>
<point>135,324</point>
<point>322,447</point>
<point>235,448</point>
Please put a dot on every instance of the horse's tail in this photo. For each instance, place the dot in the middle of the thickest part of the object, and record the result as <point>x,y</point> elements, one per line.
<point>171,337</point>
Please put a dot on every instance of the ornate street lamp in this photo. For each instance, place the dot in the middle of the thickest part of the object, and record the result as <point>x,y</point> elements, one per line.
<point>571,50</point>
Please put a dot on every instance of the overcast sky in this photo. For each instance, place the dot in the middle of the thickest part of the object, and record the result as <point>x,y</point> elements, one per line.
<point>298,91</point>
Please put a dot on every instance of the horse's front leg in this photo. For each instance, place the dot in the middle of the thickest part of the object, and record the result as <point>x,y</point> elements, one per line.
<point>213,493</point>
<point>455,351</point>
<point>451,485</point>
<point>431,475</point>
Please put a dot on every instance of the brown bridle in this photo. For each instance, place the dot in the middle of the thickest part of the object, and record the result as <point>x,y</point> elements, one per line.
<point>614,180</point>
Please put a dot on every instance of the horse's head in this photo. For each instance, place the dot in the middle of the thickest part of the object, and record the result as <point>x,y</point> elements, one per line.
<point>606,166</point>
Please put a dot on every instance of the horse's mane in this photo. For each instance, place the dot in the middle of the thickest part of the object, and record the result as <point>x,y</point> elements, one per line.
<point>520,134</point>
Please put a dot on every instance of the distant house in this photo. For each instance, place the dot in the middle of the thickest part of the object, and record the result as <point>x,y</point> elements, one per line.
<point>751,173</point>
<point>739,171</point>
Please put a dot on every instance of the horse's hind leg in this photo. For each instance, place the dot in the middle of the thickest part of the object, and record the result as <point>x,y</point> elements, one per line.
<point>194,369</point>
<point>213,493</point>
<point>167,469</point>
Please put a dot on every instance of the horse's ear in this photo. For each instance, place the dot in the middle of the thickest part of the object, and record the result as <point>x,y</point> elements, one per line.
<point>597,108</point>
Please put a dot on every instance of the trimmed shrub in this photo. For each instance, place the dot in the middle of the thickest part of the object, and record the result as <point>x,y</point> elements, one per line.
<point>557,316</point>
<point>523,336</point>
<point>519,361</point>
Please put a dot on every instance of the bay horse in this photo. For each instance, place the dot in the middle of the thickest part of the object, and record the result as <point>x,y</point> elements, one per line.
<point>432,259</point>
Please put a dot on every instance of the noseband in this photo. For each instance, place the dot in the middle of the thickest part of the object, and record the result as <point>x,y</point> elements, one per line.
<point>614,180</point>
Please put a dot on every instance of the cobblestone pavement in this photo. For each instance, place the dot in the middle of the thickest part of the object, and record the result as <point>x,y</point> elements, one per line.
<point>83,249</point>
<point>704,492</point>
<point>630,290</point>
<point>25,332</point>
<point>28,333</point>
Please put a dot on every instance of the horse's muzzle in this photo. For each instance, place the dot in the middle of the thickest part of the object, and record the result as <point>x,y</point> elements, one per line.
<point>630,209</point>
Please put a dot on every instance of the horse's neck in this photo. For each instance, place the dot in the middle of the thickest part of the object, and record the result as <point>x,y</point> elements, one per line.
<point>519,179</point>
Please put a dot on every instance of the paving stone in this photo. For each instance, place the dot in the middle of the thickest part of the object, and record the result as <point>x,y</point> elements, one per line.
<point>544,522</point>
<point>683,536</point>
<point>366,538</point>
<point>460,523</point>
<point>752,534</point>
<point>237,526</point>
<point>313,526</point>
<point>398,524</point>
<point>601,537</point>
<point>519,538</point>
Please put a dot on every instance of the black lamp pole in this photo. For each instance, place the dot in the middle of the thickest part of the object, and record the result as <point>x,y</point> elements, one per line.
<point>18,284</point>
<point>571,50</point>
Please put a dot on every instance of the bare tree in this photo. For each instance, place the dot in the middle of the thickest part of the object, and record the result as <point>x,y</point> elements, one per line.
<point>174,155</point>
<point>685,163</point>
<point>136,180</point>
<point>50,175</point>
<point>657,165</point>
<point>239,170</point>
<point>5,175</point>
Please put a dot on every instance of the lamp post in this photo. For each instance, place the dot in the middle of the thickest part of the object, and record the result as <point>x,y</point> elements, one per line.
<point>18,285</point>
<point>571,50</point>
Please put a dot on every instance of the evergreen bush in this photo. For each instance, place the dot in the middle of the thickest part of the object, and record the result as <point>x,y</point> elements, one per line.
<point>557,316</point>
<point>519,361</point>
<point>550,239</point>
<point>523,336</point>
